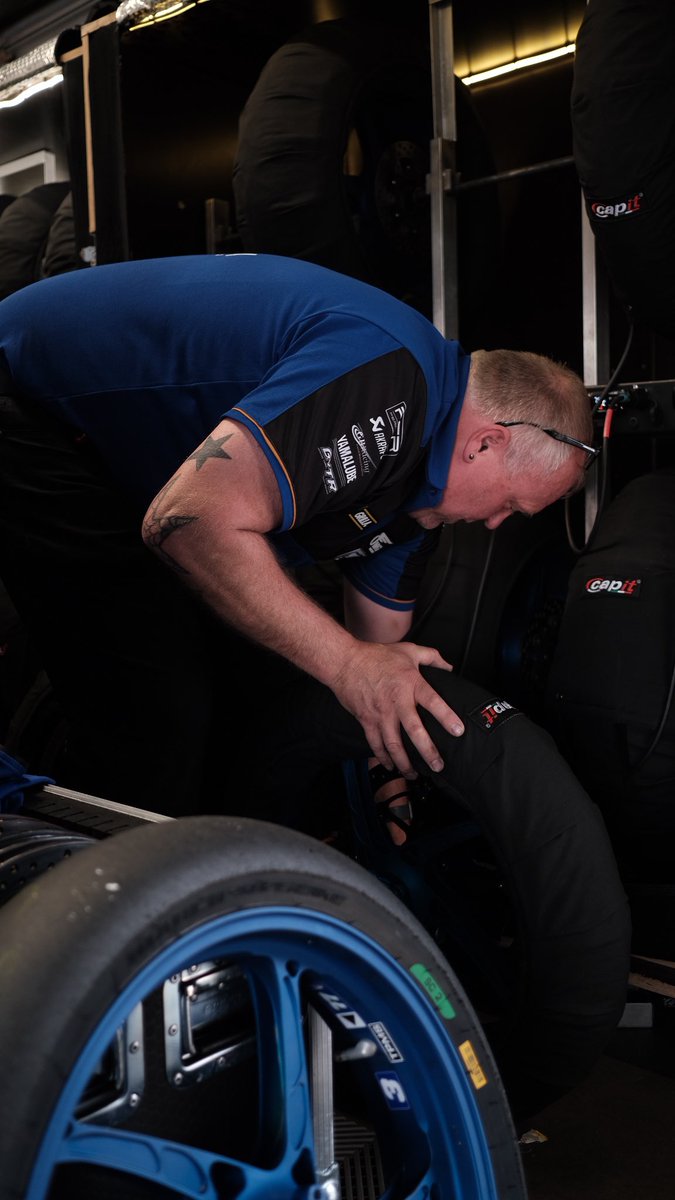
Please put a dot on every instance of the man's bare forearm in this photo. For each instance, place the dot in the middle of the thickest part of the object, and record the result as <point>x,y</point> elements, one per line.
<point>210,524</point>
<point>240,579</point>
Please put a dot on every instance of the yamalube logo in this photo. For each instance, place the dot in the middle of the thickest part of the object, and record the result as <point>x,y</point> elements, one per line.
<point>615,587</point>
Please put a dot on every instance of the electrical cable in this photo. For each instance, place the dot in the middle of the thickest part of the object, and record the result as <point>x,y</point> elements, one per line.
<point>603,463</point>
<point>479,599</point>
<point>604,459</point>
<point>433,599</point>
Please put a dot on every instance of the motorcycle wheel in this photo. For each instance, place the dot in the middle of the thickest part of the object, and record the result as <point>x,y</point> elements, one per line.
<point>220,1008</point>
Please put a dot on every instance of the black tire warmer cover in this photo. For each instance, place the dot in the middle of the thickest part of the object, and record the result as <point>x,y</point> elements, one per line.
<point>610,686</point>
<point>623,122</point>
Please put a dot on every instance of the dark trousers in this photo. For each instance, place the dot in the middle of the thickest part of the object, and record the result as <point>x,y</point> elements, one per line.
<point>552,847</point>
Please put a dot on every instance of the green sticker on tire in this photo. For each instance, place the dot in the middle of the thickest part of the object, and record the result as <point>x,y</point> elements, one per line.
<point>434,990</point>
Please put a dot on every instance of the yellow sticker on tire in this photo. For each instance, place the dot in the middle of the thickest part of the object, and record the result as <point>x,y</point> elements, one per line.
<point>478,1078</point>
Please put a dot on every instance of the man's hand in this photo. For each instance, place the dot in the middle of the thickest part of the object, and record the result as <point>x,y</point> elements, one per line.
<point>210,522</point>
<point>382,687</point>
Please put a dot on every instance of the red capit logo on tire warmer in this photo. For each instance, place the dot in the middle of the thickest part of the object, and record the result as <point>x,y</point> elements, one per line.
<point>603,210</point>
<point>617,587</point>
<point>495,712</point>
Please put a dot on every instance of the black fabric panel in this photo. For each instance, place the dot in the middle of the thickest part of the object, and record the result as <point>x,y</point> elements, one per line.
<point>623,119</point>
<point>623,91</point>
<point>617,644</point>
<point>610,679</point>
<point>108,151</point>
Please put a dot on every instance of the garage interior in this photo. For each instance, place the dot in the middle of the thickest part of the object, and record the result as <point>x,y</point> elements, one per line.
<point>460,194</point>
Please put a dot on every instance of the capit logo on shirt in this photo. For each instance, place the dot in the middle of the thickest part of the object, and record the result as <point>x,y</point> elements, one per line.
<point>616,587</point>
<point>626,207</point>
<point>495,712</point>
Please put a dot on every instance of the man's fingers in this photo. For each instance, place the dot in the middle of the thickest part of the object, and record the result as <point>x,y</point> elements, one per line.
<point>428,698</point>
<point>389,750</point>
<point>428,657</point>
<point>419,735</point>
<point>388,701</point>
<point>424,745</point>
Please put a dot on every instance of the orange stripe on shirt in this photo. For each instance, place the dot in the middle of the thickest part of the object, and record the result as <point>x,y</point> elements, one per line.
<point>274,452</point>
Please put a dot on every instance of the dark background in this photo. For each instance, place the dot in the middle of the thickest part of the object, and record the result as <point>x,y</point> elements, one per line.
<point>183,86</point>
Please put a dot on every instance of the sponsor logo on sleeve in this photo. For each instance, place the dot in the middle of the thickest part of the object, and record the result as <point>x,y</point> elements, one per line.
<point>378,431</point>
<point>364,458</point>
<point>378,543</point>
<point>362,518</point>
<point>614,587</point>
<point>396,416</point>
<point>344,460</point>
<point>329,480</point>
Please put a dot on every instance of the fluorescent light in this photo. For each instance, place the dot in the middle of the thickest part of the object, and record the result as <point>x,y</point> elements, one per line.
<point>518,64</point>
<point>24,77</point>
<point>151,12</point>
<point>11,96</point>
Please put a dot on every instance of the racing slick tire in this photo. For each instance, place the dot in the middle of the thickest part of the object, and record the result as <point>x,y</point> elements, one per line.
<point>199,1007</point>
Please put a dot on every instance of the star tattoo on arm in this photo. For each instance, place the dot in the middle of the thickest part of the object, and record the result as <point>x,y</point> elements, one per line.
<point>210,448</point>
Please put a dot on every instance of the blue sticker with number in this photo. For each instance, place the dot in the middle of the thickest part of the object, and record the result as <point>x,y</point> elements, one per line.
<point>392,1089</point>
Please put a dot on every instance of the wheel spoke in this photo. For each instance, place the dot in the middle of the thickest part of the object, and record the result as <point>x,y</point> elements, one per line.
<point>285,1117</point>
<point>191,1172</point>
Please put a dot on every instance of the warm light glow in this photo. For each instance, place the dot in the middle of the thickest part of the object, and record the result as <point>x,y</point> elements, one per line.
<point>31,89</point>
<point>518,64</point>
<point>165,11</point>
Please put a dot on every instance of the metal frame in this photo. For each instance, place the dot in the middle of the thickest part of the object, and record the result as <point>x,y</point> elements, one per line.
<point>440,183</point>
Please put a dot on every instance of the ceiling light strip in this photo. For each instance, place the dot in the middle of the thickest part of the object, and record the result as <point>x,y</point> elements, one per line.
<point>16,94</point>
<point>39,59</point>
<point>150,12</point>
<point>518,64</point>
<point>28,75</point>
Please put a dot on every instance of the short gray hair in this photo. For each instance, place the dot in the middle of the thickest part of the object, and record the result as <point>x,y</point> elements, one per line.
<point>516,385</point>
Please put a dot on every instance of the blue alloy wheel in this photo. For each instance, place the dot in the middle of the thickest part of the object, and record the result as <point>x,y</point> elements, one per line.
<point>224,1010</point>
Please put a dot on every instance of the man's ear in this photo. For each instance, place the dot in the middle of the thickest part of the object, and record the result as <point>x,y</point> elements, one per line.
<point>485,438</point>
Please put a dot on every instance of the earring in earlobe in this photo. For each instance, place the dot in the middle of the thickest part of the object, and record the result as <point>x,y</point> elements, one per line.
<point>471,457</point>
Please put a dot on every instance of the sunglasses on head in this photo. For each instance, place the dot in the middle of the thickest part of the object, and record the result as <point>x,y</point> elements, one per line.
<point>591,451</point>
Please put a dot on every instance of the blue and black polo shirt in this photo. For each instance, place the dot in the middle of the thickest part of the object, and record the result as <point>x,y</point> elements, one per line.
<point>352,395</point>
